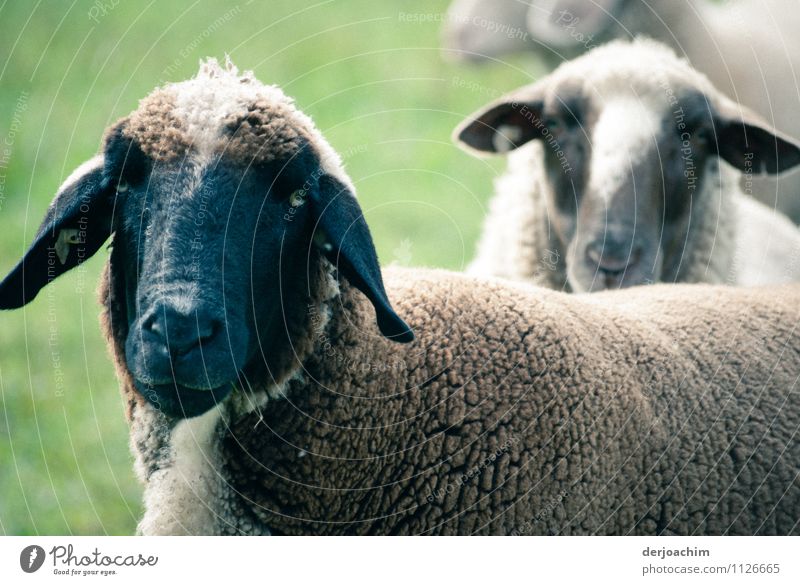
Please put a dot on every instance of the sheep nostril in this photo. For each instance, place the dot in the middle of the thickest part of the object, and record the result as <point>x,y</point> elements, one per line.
<point>153,324</point>
<point>198,336</point>
<point>595,256</point>
<point>612,261</point>
<point>207,330</point>
<point>180,351</point>
<point>178,333</point>
<point>604,260</point>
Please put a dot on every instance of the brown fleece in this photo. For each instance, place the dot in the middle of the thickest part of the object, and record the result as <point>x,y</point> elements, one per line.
<point>158,132</point>
<point>246,121</point>
<point>659,410</point>
<point>517,410</point>
<point>114,326</point>
<point>259,133</point>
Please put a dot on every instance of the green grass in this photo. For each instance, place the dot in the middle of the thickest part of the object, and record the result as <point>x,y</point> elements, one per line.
<point>375,84</point>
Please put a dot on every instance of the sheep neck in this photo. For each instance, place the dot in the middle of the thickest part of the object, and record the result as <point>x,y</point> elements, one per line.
<point>187,484</point>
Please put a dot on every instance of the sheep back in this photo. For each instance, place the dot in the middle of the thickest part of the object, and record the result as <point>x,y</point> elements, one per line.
<point>665,409</point>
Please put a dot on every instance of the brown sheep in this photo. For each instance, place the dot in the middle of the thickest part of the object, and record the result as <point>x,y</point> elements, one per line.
<point>284,409</point>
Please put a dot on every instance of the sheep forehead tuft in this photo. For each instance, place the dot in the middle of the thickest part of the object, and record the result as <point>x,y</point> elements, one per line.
<point>221,112</point>
<point>642,66</point>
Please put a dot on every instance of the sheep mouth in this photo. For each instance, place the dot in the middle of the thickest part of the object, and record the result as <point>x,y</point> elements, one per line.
<point>178,401</point>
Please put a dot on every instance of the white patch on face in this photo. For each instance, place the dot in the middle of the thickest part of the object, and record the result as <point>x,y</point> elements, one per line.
<point>184,297</point>
<point>203,103</point>
<point>623,133</point>
<point>573,263</point>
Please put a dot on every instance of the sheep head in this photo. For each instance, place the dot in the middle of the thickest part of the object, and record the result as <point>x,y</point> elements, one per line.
<point>224,200</point>
<point>629,140</point>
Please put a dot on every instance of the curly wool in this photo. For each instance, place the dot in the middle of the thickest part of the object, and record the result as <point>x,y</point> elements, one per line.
<point>659,410</point>
<point>221,112</point>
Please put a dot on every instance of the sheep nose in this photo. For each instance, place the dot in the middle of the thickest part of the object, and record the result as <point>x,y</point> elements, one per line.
<point>181,331</point>
<point>612,258</point>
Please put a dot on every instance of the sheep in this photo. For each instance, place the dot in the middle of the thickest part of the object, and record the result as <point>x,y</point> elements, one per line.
<point>478,29</point>
<point>274,389</point>
<point>748,48</point>
<point>625,411</point>
<point>622,173</point>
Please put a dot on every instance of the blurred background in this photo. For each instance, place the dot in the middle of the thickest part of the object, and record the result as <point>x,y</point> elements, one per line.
<point>372,76</point>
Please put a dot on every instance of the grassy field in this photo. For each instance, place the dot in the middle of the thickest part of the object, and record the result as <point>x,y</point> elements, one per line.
<point>370,75</point>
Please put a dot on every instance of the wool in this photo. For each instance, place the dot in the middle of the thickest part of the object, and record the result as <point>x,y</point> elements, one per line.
<point>219,111</point>
<point>515,410</point>
<point>729,237</point>
<point>663,410</point>
<point>746,47</point>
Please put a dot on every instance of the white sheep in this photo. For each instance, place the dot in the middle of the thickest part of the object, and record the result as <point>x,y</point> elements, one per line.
<point>623,174</point>
<point>286,410</point>
<point>748,48</point>
<point>478,29</point>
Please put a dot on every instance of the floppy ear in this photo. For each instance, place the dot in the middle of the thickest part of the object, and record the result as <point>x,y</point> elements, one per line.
<point>751,144</point>
<point>349,247</point>
<point>505,124</point>
<point>77,223</point>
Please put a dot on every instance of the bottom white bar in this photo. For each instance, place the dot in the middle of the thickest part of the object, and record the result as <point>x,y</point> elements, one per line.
<point>397,560</point>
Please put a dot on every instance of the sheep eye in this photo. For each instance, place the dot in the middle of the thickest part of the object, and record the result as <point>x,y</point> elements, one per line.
<point>552,124</point>
<point>122,186</point>
<point>703,136</point>
<point>297,198</point>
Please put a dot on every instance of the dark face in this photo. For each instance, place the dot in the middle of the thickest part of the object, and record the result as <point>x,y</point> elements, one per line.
<point>213,267</point>
<point>230,215</point>
<point>196,240</point>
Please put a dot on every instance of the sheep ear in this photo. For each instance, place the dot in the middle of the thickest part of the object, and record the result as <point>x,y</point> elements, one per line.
<point>77,223</point>
<point>347,243</point>
<point>751,144</point>
<point>503,125</point>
